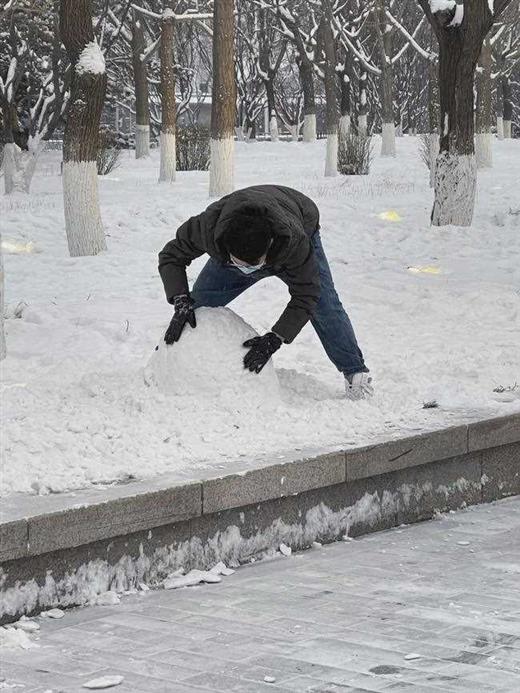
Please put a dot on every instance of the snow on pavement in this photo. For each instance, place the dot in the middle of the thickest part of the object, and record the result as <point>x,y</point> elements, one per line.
<point>433,607</point>
<point>436,312</point>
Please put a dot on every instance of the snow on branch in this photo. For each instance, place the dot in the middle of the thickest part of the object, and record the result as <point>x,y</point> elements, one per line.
<point>147,13</point>
<point>411,37</point>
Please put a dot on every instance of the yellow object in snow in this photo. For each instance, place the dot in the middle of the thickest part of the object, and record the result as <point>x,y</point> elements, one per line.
<point>13,247</point>
<point>427,269</point>
<point>390,215</point>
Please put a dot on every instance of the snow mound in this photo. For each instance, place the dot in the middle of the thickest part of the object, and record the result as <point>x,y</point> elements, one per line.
<point>207,362</point>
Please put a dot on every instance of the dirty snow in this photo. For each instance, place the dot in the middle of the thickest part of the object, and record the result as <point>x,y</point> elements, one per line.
<point>80,331</point>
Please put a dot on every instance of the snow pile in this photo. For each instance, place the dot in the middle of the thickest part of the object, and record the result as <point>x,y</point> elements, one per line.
<point>91,60</point>
<point>207,362</point>
<point>13,637</point>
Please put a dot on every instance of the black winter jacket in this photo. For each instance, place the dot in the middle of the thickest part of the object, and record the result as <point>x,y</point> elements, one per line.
<point>294,218</point>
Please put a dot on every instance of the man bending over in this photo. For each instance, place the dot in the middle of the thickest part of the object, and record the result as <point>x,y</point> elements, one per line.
<point>263,231</point>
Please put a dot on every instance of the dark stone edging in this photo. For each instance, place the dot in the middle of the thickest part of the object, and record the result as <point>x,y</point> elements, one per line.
<point>143,532</point>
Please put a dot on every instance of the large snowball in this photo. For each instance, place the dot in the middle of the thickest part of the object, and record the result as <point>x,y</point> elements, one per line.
<point>208,362</point>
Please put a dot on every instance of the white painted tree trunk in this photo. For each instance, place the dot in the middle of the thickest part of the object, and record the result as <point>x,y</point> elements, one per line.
<point>434,153</point>
<point>85,234</point>
<point>273,128</point>
<point>3,349</point>
<point>309,127</point>
<point>331,157</point>
<point>388,140</point>
<point>19,167</point>
<point>507,129</point>
<point>362,125</point>
<point>295,132</point>
<point>500,127</point>
<point>168,163</point>
<point>455,186</point>
<point>142,141</point>
<point>222,167</point>
<point>344,126</point>
<point>484,149</point>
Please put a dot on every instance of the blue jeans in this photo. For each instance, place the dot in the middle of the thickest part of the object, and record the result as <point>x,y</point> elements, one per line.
<point>218,285</point>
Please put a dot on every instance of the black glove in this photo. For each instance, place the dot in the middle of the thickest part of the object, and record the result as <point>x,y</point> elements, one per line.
<point>183,313</point>
<point>262,348</point>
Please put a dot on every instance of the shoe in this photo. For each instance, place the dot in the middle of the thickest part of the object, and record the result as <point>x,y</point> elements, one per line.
<point>358,386</point>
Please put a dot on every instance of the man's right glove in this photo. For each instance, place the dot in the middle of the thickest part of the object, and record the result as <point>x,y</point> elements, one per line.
<point>184,313</point>
<point>260,351</point>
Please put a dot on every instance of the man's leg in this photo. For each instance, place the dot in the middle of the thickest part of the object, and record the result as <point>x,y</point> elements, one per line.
<point>217,285</point>
<point>332,323</point>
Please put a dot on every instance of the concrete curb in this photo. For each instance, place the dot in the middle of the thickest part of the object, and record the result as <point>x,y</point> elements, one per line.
<point>151,528</point>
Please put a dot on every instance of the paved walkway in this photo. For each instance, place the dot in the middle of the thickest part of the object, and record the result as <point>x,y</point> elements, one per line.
<point>426,608</point>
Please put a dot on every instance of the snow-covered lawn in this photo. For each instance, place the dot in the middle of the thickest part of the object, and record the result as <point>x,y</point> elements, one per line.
<point>76,410</point>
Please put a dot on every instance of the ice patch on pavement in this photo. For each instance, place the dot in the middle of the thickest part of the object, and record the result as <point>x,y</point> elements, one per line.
<point>208,361</point>
<point>103,682</point>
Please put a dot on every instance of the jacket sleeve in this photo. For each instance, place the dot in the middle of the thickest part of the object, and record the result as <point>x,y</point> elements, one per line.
<point>190,242</point>
<point>303,279</point>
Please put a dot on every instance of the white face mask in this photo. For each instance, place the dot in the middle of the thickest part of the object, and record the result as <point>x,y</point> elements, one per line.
<point>247,269</point>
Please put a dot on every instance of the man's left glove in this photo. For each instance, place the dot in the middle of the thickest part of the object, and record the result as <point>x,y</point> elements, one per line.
<point>262,348</point>
<point>183,313</point>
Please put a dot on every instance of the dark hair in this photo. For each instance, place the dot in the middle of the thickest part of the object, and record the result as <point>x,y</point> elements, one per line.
<point>248,235</point>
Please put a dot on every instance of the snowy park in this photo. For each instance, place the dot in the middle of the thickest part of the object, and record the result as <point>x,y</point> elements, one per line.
<point>437,312</point>
<point>259,293</point>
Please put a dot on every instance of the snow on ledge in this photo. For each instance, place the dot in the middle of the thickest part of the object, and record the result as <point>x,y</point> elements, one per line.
<point>91,60</point>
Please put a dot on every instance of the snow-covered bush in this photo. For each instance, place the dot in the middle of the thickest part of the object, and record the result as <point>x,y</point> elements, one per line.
<point>193,148</point>
<point>354,154</point>
<point>108,153</point>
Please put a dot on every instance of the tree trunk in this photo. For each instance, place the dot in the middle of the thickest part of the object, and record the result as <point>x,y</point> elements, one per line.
<point>433,115</point>
<point>363,106</point>
<point>483,138</point>
<point>83,224</point>
<point>508,107</point>
<point>309,99</point>
<point>3,350</point>
<point>345,118</point>
<point>500,109</point>
<point>328,47</point>
<point>456,170</point>
<point>142,107</point>
<point>273,120</point>
<point>223,100</point>
<point>387,84</point>
<point>168,106</point>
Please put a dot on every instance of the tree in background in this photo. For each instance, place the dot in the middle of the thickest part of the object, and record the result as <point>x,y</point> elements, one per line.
<point>83,224</point>
<point>34,82</point>
<point>460,30</point>
<point>142,96</point>
<point>168,104</point>
<point>223,100</point>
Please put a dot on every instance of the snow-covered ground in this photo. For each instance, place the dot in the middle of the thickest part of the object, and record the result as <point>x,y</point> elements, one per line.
<point>436,312</point>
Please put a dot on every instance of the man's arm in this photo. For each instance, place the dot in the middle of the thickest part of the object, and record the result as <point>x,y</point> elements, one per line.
<point>190,242</point>
<point>303,279</point>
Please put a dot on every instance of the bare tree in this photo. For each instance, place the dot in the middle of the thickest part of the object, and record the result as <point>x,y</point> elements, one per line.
<point>34,91</point>
<point>483,150</point>
<point>168,104</point>
<point>142,107</point>
<point>223,101</point>
<point>83,224</point>
<point>328,48</point>
<point>460,30</point>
